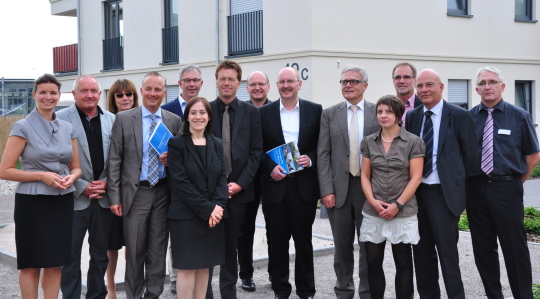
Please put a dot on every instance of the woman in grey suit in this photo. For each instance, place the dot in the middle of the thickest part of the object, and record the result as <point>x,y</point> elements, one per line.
<point>198,179</point>
<point>49,158</point>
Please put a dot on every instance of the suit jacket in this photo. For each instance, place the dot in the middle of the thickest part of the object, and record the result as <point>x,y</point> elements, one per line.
<point>196,185</point>
<point>333,148</point>
<point>417,101</point>
<point>457,152</point>
<point>71,115</point>
<point>125,155</point>
<point>175,108</point>
<point>272,191</point>
<point>246,147</point>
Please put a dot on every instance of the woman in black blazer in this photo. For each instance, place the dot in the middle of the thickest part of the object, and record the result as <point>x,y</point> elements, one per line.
<point>198,180</point>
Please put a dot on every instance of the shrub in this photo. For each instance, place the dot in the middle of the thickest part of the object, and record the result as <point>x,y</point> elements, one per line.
<point>463,223</point>
<point>536,291</point>
<point>536,172</point>
<point>532,220</point>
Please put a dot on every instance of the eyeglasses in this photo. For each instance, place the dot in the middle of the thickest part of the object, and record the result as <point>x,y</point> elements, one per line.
<point>187,81</point>
<point>223,80</point>
<point>427,85</point>
<point>121,95</point>
<point>257,84</point>
<point>289,82</point>
<point>405,78</point>
<point>353,82</point>
<point>491,83</point>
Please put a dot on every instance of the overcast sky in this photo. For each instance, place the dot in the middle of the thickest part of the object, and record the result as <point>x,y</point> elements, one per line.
<point>28,34</point>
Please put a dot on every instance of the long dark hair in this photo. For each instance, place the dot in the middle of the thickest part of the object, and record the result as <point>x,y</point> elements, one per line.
<point>206,105</point>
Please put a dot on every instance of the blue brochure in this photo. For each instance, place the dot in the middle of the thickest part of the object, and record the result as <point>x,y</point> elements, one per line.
<point>160,138</point>
<point>286,155</point>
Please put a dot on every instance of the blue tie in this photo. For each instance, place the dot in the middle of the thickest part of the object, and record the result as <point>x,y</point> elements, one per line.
<point>153,159</point>
<point>428,141</point>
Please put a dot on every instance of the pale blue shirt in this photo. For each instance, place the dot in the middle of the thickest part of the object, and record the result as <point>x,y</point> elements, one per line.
<point>433,178</point>
<point>183,103</point>
<point>146,123</point>
<point>360,113</point>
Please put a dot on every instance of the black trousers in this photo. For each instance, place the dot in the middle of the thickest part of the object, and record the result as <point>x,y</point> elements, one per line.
<point>247,232</point>
<point>439,237</point>
<point>495,210</point>
<point>97,221</point>
<point>293,217</point>
<point>228,273</point>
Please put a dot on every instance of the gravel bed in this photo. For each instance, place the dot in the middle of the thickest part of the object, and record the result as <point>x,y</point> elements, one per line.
<point>7,187</point>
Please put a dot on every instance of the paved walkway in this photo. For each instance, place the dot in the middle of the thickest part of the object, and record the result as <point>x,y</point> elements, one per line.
<point>324,273</point>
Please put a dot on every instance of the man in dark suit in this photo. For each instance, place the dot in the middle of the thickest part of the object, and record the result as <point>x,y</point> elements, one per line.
<point>404,78</point>
<point>508,146</point>
<point>238,125</point>
<point>290,201</point>
<point>190,81</point>
<point>138,189</point>
<point>257,87</point>
<point>93,129</point>
<point>451,155</point>
<point>340,185</point>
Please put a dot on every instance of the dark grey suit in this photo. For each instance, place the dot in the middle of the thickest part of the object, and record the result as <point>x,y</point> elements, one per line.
<point>92,215</point>
<point>334,178</point>
<point>144,209</point>
<point>439,207</point>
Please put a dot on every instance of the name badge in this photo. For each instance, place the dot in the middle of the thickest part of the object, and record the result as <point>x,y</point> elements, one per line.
<point>504,132</point>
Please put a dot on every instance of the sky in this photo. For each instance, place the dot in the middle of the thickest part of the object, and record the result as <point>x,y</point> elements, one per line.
<point>28,34</point>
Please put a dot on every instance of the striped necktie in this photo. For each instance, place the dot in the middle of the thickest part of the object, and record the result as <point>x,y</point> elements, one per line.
<point>487,144</point>
<point>153,159</point>
<point>428,141</point>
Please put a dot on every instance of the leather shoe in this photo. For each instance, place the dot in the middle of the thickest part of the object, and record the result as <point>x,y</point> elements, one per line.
<point>306,297</point>
<point>281,297</point>
<point>173,287</point>
<point>248,285</point>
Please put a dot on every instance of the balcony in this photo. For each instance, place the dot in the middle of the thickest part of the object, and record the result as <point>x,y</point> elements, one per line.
<point>113,53</point>
<point>65,60</point>
<point>245,33</point>
<point>169,40</point>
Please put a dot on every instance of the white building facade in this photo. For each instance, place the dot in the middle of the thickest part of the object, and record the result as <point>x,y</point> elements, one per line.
<point>126,39</point>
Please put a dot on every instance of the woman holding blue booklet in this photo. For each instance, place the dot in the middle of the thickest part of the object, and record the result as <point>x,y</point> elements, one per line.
<point>198,180</point>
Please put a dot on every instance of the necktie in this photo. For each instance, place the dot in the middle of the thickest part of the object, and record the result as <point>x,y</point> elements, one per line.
<point>428,141</point>
<point>354,155</point>
<point>153,159</point>
<point>226,138</point>
<point>487,144</point>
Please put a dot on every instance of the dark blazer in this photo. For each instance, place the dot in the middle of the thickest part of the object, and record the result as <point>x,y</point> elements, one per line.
<point>246,147</point>
<point>196,186</point>
<point>125,154</point>
<point>417,101</point>
<point>457,152</point>
<point>175,108</point>
<point>272,191</point>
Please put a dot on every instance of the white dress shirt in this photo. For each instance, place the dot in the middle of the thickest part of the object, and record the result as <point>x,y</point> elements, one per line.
<point>360,113</point>
<point>433,178</point>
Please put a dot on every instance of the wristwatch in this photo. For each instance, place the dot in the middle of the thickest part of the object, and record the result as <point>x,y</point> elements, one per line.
<point>400,206</point>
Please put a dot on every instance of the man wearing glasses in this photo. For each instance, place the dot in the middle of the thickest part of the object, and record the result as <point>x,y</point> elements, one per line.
<point>190,82</point>
<point>508,147</point>
<point>451,155</point>
<point>404,78</point>
<point>339,184</point>
<point>290,201</point>
<point>238,125</point>
<point>257,87</point>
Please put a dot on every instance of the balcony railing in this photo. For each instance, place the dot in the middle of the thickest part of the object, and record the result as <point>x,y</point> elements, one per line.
<point>113,53</point>
<point>169,37</point>
<point>65,59</point>
<point>245,33</point>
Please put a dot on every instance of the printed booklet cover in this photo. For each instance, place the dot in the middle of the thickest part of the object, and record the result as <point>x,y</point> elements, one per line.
<point>286,155</point>
<point>160,138</point>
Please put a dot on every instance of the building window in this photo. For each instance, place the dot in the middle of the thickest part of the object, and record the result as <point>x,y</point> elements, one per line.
<point>458,93</point>
<point>523,10</point>
<point>245,28</point>
<point>113,45</point>
<point>458,8</point>
<point>524,95</point>
<point>242,93</point>
<point>169,34</point>
<point>173,91</point>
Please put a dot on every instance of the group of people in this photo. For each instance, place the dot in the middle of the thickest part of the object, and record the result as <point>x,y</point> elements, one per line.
<point>400,170</point>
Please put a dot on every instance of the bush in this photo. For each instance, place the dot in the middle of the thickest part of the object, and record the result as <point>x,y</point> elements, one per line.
<point>463,223</point>
<point>536,291</point>
<point>536,172</point>
<point>532,220</point>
